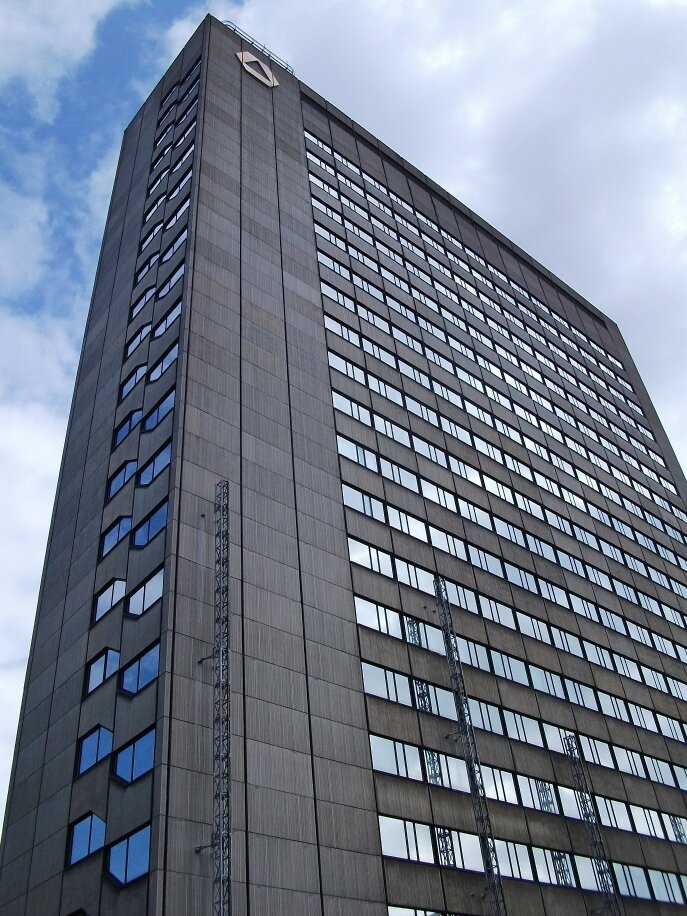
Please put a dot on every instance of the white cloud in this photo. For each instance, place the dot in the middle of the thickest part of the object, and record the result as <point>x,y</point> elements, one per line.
<point>24,235</point>
<point>41,42</point>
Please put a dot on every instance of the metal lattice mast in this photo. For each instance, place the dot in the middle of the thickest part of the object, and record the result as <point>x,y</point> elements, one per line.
<point>494,888</point>
<point>602,868</point>
<point>221,735</point>
<point>560,859</point>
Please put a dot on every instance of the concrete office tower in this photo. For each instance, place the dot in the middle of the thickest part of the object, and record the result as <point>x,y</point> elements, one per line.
<point>392,390</point>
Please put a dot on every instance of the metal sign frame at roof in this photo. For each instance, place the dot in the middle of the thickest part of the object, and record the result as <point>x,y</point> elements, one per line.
<point>256,44</point>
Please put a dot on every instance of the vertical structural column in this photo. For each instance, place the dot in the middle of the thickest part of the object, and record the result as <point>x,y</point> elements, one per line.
<point>221,735</point>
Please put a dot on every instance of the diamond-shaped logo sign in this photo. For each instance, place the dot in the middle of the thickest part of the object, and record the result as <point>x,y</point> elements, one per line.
<point>257,68</point>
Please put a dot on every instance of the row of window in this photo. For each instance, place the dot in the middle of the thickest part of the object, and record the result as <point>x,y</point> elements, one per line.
<point>172,145</point>
<point>125,861</point>
<point>165,111</point>
<point>397,433</point>
<point>170,170</point>
<point>397,396</point>
<point>461,247</point>
<point>154,373</point>
<point>449,394</point>
<point>140,672</point>
<point>516,467</point>
<point>158,293</point>
<point>404,839</point>
<point>153,418</point>
<point>128,858</point>
<point>425,765</point>
<point>336,193</point>
<point>142,534</point>
<point>515,435</point>
<point>160,202</point>
<point>474,513</point>
<point>455,369</point>
<point>489,340</point>
<point>130,762</point>
<point>163,324</point>
<point>141,599</point>
<point>489,717</point>
<point>563,688</point>
<point>417,632</point>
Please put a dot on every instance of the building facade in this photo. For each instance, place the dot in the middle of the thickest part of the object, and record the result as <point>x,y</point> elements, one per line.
<point>394,392</point>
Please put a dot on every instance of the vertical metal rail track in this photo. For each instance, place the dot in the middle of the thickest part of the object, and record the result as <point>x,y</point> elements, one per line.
<point>494,888</point>
<point>585,801</point>
<point>221,840</point>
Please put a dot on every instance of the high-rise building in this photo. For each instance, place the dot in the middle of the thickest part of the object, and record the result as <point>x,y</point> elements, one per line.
<point>403,404</point>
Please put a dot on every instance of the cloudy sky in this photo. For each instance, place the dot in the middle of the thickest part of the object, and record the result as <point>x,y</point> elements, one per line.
<point>562,122</point>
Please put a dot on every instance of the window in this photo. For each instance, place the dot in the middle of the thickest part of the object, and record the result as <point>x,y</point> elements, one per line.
<point>159,412</point>
<point>136,340</point>
<point>93,747</point>
<point>175,246</point>
<point>167,320</point>
<point>120,477</point>
<point>189,152</point>
<point>155,466</point>
<point>146,594</point>
<point>150,236</point>
<point>129,423</point>
<point>106,599</point>
<point>175,277</point>
<point>114,534</point>
<point>136,759</point>
<point>101,668</point>
<point>178,187</point>
<point>141,672</point>
<point>163,364</point>
<point>128,859</point>
<point>131,381</point>
<point>86,837</point>
<point>406,839</point>
<point>395,757</point>
<point>150,527</point>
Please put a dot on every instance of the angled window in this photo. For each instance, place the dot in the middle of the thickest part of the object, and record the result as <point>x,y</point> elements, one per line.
<point>93,747</point>
<point>141,301</point>
<point>114,534</point>
<point>128,859</point>
<point>129,423</point>
<point>131,381</point>
<point>106,599</point>
<point>120,477</point>
<point>175,246</point>
<point>191,127</point>
<point>137,340</point>
<point>163,364</point>
<point>147,265</point>
<point>150,527</point>
<point>141,671</point>
<point>178,213</point>
<point>168,284</point>
<point>136,758</point>
<point>86,837</point>
<point>168,320</point>
<point>155,466</point>
<point>160,178</point>
<point>150,236</point>
<point>146,594</point>
<point>159,159</point>
<point>162,136</point>
<point>159,412</point>
<point>154,207</point>
<point>180,185</point>
<point>191,108</point>
<point>187,154</point>
<point>101,668</point>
